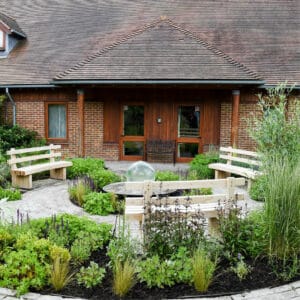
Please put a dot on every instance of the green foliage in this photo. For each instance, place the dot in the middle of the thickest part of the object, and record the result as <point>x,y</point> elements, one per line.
<point>80,251</point>
<point>201,191</point>
<point>123,278</point>
<point>282,210</point>
<point>11,195</point>
<point>203,270</point>
<point>99,203</point>
<point>22,270</point>
<point>60,274</point>
<point>78,190</point>
<point>70,228</point>
<point>166,176</point>
<point>242,235</point>
<point>166,231</point>
<point>17,137</point>
<point>83,166</point>
<point>102,177</point>
<point>277,136</point>
<point>258,188</point>
<point>123,247</point>
<point>90,276</point>
<point>199,166</point>
<point>4,172</point>
<point>241,269</point>
<point>156,272</point>
<point>57,252</point>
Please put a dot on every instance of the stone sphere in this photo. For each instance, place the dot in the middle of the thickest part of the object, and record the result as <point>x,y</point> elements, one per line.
<point>140,171</point>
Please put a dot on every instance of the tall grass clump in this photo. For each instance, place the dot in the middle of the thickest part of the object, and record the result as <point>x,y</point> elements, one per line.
<point>277,135</point>
<point>282,209</point>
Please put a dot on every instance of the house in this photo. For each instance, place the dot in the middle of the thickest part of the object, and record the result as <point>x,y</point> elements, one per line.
<point>103,78</point>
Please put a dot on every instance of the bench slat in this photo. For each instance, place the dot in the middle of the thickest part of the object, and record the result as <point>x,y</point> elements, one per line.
<point>239,151</point>
<point>191,184</point>
<point>33,157</point>
<point>245,172</point>
<point>34,149</point>
<point>250,162</point>
<point>196,199</point>
<point>41,167</point>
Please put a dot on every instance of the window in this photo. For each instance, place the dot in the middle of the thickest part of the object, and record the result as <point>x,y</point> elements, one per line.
<point>56,121</point>
<point>2,40</point>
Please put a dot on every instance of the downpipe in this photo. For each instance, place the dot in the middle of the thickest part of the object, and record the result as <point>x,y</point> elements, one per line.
<point>13,104</point>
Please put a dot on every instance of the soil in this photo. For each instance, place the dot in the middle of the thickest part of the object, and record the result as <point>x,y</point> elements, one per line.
<point>225,283</point>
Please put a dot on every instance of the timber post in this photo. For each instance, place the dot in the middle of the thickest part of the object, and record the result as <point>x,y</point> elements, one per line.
<point>235,118</point>
<point>80,107</point>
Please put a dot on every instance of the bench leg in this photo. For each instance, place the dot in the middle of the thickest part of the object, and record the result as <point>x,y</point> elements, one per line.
<point>249,183</point>
<point>213,226</point>
<point>221,174</point>
<point>24,182</point>
<point>60,174</point>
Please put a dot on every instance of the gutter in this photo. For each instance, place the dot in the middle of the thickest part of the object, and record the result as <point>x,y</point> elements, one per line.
<point>156,81</point>
<point>13,104</point>
<point>269,86</point>
<point>21,86</point>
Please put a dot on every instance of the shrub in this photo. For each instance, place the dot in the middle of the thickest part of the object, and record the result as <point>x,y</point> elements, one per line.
<point>80,251</point>
<point>4,172</point>
<point>199,165</point>
<point>103,177</point>
<point>123,278</point>
<point>166,176</point>
<point>99,203</point>
<point>22,270</point>
<point>156,272</point>
<point>258,188</point>
<point>91,275</point>
<point>82,167</point>
<point>203,270</point>
<point>242,235</point>
<point>166,230</point>
<point>18,137</point>
<point>12,195</point>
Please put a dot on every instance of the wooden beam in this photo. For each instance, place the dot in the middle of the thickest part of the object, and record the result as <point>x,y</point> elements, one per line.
<point>80,106</point>
<point>235,117</point>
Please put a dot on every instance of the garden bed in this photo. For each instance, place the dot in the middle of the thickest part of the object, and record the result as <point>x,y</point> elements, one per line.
<point>225,283</point>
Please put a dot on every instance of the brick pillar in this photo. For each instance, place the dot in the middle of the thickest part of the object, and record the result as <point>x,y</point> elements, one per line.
<point>80,106</point>
<point>235,117</point>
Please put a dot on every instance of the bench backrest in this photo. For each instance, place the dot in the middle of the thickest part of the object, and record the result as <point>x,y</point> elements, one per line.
<point>147,188</point>
<point>241,156</point>
<point>33,154</point>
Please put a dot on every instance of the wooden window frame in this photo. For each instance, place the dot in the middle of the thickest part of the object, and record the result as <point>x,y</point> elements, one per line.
<point>56,140</point>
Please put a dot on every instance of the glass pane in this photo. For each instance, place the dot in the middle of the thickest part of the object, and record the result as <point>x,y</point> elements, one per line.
<point>57,115</point>
<point>188,121</point>
<point>187,149</point>
<point>133,148</point>
<point>133,120</point>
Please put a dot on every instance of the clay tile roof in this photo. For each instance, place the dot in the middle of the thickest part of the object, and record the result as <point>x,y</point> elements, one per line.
<point>160,50</point>
<point>11,24</point>
<point>258,35</point>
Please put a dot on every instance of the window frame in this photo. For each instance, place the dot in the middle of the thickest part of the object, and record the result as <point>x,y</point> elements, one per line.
<point>57,139</point>
<point>2,46</point>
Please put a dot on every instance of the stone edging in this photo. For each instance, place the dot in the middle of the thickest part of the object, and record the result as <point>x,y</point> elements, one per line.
<point>284,292</point>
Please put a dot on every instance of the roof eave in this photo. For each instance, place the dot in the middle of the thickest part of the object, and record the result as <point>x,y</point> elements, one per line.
<point>157,82</point>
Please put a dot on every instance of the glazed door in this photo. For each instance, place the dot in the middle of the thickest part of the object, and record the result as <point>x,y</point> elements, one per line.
<point>132,141</point>
<point>188,134</point>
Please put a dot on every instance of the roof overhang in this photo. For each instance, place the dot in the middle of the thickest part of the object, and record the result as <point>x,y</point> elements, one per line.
<point>157,82</point>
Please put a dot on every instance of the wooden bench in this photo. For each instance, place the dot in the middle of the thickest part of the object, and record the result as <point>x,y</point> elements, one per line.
<point>136,208</point>
<point>37,159</point>
<point>249,160</point>
<point>160,151</point>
